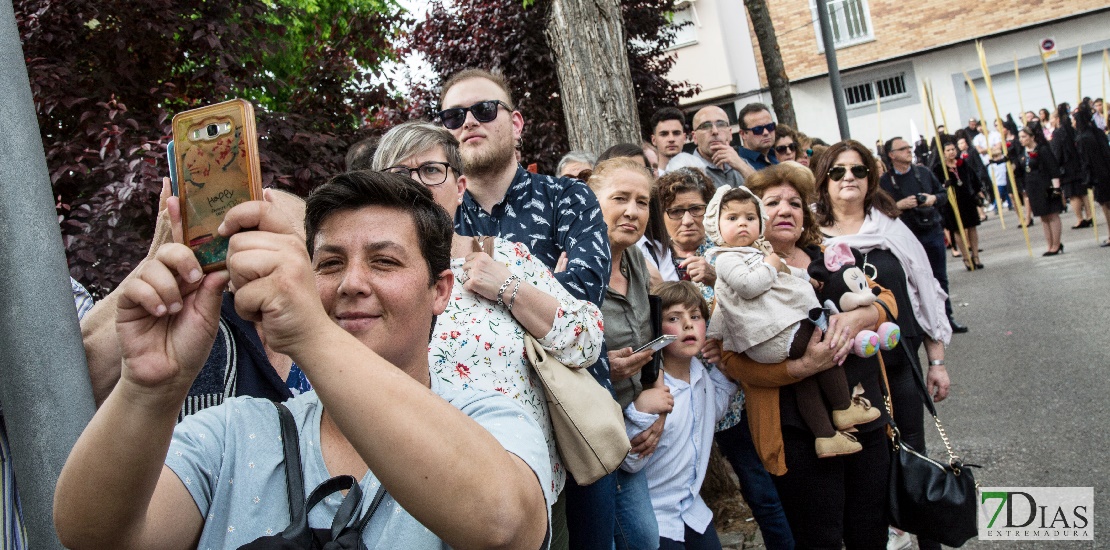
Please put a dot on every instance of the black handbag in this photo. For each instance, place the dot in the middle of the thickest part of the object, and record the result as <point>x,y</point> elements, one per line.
<point>933,500</point>
<point>343,535</point>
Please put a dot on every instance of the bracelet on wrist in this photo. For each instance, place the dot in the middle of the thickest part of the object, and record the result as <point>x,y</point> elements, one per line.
<point>501,291</point>
<point>512,299</point>
<point>936,363</point>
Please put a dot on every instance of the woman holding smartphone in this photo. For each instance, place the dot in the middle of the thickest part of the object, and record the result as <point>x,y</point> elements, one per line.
<point>623,187</point>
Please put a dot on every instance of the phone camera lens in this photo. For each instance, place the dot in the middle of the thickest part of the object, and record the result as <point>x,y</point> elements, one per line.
<point>213,130</point>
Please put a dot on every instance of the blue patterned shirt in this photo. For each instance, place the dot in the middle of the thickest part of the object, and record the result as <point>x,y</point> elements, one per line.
<point>551,215</point>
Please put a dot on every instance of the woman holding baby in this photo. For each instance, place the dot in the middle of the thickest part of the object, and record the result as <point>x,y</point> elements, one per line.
<point>832,501</point>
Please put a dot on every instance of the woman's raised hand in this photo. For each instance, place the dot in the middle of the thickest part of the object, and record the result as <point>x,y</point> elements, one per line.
<point>168,316</point>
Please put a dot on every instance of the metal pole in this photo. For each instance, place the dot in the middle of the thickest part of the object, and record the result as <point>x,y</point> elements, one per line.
<point>834,70</point>
<point>44,381</point>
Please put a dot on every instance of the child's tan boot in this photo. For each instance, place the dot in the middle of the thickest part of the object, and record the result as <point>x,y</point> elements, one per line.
<point>839,444</point>
<point>859,412</point>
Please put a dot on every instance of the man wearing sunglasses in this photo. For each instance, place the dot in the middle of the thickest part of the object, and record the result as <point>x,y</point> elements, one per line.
<point>551,215</point>
<point>919,194</point>
<point>560,221</point>
<point>714,153</point>
<point>757,130</point>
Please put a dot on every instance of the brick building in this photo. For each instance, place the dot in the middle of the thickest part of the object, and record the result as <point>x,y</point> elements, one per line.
<point>886,49</point>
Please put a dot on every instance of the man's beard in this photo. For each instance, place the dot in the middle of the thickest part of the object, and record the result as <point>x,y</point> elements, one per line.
<point>489,161</point>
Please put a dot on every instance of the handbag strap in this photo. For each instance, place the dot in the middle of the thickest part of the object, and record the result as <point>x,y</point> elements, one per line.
<point>484,244</point>
<point>294,477</point>
<point>915,367</point>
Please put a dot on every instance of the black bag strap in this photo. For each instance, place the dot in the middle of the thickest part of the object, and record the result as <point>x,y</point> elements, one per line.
<point>953,459</point>
<point>915,367</point>
<point>294,476</point>
<point>650,372</point>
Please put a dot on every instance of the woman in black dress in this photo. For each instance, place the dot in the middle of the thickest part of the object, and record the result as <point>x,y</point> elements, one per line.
<point>966,186</point>
<point>1094,159</point>
<point>1042,184</point>
<point>1063,146</point>
<point>1015,154</point>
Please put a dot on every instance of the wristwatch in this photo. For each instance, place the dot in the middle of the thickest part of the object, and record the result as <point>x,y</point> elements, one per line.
<point>936,363</point>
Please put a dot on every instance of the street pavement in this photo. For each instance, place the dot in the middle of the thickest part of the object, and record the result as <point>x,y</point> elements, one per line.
<point>1031,380</point>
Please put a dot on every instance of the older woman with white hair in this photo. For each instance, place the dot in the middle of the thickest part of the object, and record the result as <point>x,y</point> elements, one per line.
<point>478,341</point>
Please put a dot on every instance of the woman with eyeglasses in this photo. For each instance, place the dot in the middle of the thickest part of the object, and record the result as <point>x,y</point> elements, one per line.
<point>683,195</point>
<point>478,341</point>
<point>851,208</point>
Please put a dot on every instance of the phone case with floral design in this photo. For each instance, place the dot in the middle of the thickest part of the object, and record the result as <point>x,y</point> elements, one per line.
<point>216,154</point>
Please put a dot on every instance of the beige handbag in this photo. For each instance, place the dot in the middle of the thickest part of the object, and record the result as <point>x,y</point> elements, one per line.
<point>588,422</point>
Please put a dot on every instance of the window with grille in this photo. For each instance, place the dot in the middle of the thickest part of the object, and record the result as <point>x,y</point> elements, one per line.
<point>893,87</point>
<point>850,19</point>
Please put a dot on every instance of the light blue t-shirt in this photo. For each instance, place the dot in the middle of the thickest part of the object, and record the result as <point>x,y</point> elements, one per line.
<point>230,459</point>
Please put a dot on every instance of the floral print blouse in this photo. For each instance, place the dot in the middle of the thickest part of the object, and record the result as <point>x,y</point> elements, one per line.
<point>478,344</point>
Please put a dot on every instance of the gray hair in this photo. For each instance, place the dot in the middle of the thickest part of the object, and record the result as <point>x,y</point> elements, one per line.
<point>414,137</point>
<point>575,156</point>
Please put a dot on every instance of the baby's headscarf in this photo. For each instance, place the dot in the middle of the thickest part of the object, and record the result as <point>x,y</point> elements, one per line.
<point>712,220</point>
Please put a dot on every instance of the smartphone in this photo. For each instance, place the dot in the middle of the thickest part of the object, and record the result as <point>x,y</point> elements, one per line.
<point>216,164</point>
<point>658,343</point>
<point>173,167</point>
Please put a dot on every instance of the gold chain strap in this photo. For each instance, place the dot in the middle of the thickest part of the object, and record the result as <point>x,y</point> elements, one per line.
<point>953,459</point>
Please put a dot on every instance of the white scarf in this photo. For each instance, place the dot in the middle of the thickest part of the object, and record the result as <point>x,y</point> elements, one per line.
<point>926,295</point>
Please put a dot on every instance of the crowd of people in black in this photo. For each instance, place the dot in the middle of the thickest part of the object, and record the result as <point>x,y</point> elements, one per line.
<point>395,339</point>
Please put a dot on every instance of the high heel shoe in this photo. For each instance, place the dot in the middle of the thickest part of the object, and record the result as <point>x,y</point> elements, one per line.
<point>978,264</point>
<point>1059,250</point>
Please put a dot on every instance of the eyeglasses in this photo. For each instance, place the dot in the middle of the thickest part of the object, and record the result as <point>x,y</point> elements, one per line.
<point>786,147</point>
<point>859,171</point>
<point>697,212</point>
<point>758,130</point>
<point>709,125</point>
<point>483,111</point>
<point>431,173</point>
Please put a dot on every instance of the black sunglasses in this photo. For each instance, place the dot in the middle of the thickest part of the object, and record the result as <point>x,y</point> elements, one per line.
<point>859,171</point>
<point>758,130</point>
<point>787,147</point>
<point>484,111</point>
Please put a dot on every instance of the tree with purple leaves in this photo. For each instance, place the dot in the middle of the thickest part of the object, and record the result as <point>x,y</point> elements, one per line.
<point>108,76</point>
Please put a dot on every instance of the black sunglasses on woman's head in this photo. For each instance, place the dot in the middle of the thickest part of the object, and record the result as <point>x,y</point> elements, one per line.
<point>483,111</point>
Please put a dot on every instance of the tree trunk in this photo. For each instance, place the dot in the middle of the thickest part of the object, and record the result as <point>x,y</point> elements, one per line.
<point>588,40</point>
<point>772,61</point>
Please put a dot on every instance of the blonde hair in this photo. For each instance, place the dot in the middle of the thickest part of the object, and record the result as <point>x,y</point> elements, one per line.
<point>605,169</point>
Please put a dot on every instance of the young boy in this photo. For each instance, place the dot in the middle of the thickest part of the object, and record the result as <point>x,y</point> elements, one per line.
<point>768,310</point>
<point>701,397</point>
